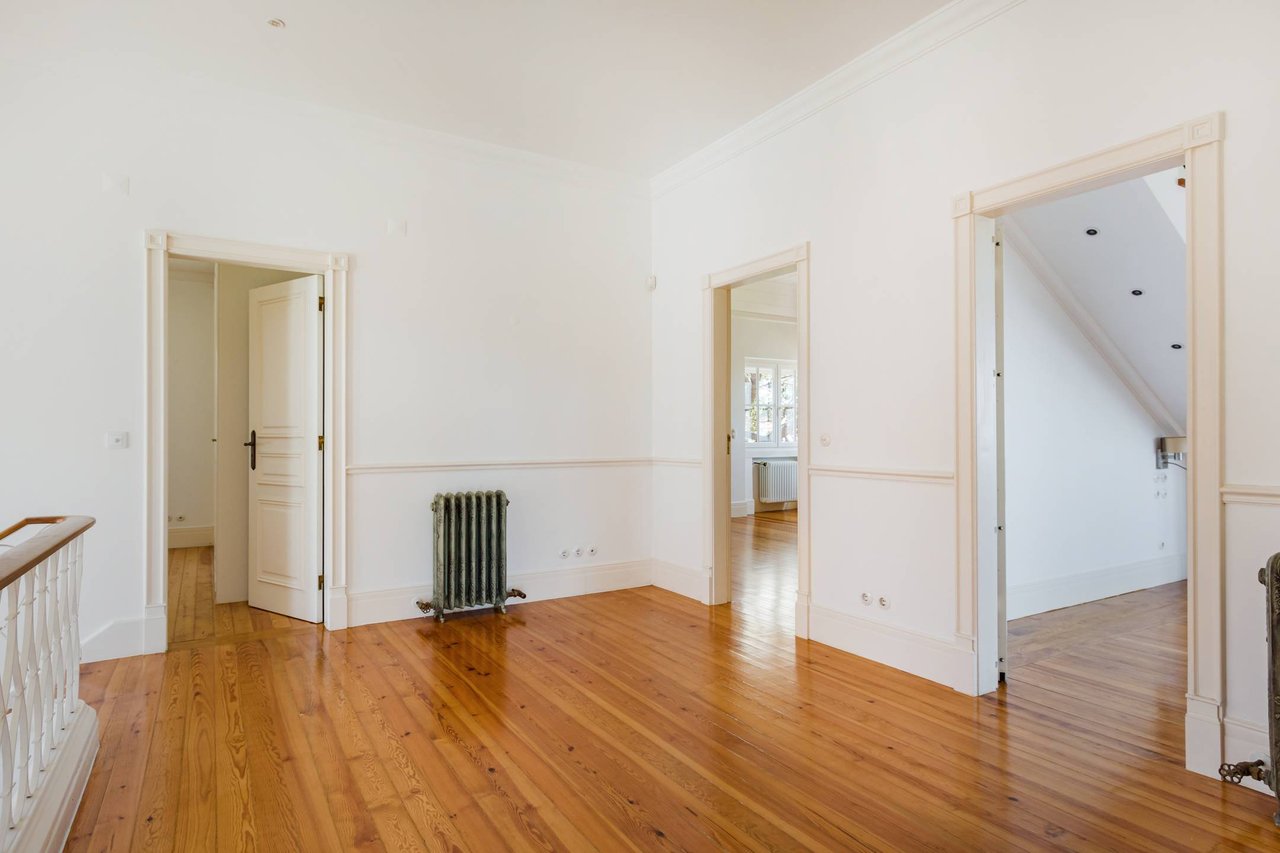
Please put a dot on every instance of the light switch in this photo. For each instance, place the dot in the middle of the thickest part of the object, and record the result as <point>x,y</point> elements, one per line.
<point>117,440</point>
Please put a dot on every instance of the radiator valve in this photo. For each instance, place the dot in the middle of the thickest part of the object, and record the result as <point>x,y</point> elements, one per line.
<point>1235,773</point>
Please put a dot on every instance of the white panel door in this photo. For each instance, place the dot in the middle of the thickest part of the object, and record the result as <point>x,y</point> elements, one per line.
<point>285,402</point>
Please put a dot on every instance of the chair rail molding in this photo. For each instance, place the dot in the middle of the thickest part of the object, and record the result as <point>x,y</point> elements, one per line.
<point>509,464</point>
<point>902,475</point>
<point>1234,493</point>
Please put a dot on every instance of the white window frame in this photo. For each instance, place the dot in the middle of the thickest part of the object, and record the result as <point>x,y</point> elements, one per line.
<point>776,365</point>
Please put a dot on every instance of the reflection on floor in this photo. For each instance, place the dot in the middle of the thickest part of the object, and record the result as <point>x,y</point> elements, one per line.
<point>194,619</point>
<point>763,556</point>
<point>628,720</point>
<point>1118,666</point>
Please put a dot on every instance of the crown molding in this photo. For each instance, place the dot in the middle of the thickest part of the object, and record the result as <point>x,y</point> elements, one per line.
<point>1017,240</point>
<point>948,23</point>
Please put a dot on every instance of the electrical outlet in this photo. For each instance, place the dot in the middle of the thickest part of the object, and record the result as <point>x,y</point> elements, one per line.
<point>883,601</point>
<point>866,599</point>
<point>592,550</point>
<point>577,552</point>
<point>564,553</point>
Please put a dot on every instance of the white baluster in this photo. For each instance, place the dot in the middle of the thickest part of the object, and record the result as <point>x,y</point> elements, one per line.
<point>44,654</point>
<point>21,701</point>
<point>31,677</point>
<point>73,659</point>
<point>8,763</point>
<point>57,638</point>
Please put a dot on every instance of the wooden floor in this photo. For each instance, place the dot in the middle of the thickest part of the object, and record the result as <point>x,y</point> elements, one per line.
<point>639,720</point>
<point>762,553</point>
<point>193,617</point>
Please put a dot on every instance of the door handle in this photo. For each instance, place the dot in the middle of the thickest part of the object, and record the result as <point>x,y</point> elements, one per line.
<point>252,444</point>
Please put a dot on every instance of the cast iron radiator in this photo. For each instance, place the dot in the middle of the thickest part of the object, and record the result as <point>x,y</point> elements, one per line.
<point>470,556</point>
<point>1259,769</point>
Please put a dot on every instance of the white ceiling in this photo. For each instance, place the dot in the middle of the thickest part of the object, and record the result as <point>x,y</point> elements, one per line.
<point>631,85</point>
<point>1137,247</point>
<point>773,296</point>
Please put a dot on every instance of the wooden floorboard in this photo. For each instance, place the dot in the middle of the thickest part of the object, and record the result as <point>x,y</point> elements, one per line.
<point>640,720</point>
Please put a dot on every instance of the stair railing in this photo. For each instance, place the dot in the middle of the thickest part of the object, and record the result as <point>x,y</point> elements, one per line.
<point>46,731</point>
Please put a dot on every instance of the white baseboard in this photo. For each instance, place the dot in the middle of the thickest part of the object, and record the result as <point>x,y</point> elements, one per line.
<point>45,828</point>
<point>1069,590</point>
<point>802,615</point>
<point>1241,741</point>
<point>190,537</point>
<point>389,605</point>
<point>124,638</point>
<point>337,609</point>
<point>691,583</point>
<point>740,508</point>
<point>946,660</point>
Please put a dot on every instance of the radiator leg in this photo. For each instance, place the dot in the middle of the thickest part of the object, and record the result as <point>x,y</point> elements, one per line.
<point>501,606</point>
<point>427,607</point>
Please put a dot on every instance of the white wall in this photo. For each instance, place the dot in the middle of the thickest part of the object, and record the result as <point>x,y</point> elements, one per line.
<point>868,174</point>
<point>753,338</point>
<point>191,402</point>
<point>1087,515</point>
<point>510,322</point>
<point>231,537</point>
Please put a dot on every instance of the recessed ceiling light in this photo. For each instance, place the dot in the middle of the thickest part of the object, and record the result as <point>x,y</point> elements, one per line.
<point>278,23</point>
<point>1175,346</point>
<point>1136,292</point>
<point>1092,232</point>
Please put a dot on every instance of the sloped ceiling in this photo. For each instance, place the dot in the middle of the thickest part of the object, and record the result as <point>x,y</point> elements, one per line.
<point>1137,247</point>
<point>774,296</point>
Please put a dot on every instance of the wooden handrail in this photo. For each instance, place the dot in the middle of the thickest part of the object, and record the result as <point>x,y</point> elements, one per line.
<point>20,559</point>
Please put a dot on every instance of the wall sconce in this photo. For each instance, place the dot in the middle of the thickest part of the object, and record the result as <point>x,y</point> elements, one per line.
<point>1171,450</point>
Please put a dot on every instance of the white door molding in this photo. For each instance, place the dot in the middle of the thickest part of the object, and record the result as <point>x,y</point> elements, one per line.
<point>716,420</point>
<point>1198,145</point>
<point>333,268</point>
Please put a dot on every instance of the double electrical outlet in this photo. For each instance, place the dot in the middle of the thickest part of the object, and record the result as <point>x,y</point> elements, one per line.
<point>882,601</point>
<point>589,551</point>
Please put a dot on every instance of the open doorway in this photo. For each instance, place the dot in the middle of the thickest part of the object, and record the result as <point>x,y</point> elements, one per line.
<point>243,415</point>
<point>764,460</point>
<point>756,456</point>
<point>1091,354</point>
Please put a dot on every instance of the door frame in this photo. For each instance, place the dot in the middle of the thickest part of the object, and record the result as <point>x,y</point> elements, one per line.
<point>717,419</point>
<point>160,245</point>
<point>1197,144</point>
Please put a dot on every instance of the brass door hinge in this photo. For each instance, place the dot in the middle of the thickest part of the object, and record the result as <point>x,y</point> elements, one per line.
<point>320,441</point>
<point>321,303</point>
<point>320,585</point>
